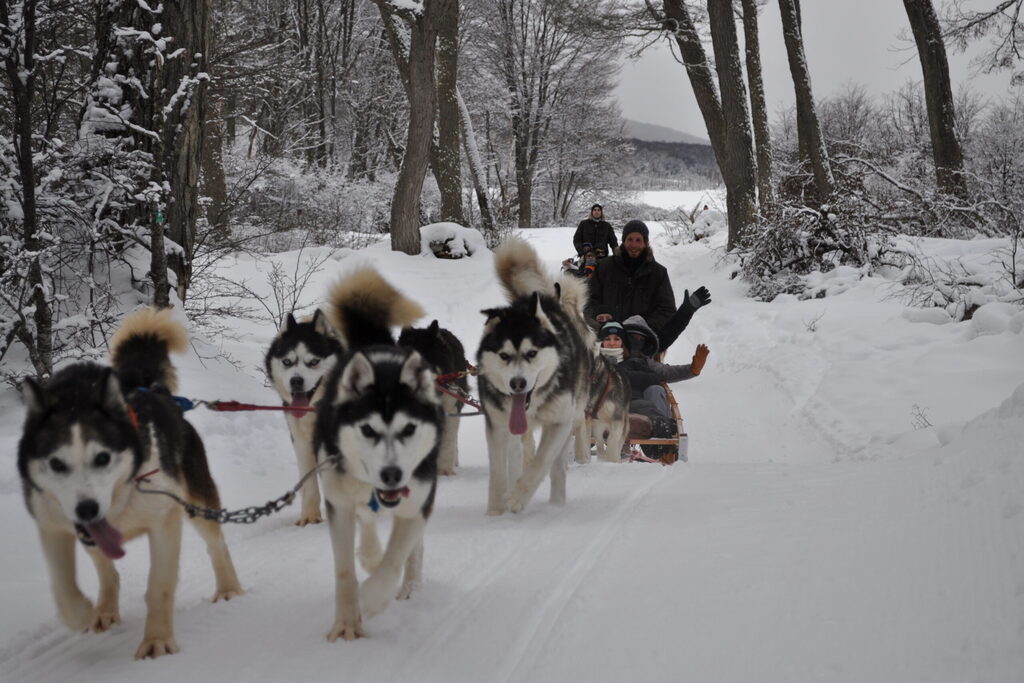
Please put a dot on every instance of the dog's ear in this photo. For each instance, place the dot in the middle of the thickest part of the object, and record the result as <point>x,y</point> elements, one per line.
<point>434,327</point>
<point>537,311</point>
<point>493,318</point>
<point>108,392</point>
<point>357,376</point>
<point>420,377</point>
<point>289,323</point>
<point>321,324</point>
<point>33,395</point>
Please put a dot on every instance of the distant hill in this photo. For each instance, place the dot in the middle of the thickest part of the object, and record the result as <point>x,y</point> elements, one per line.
<point>650,132</point>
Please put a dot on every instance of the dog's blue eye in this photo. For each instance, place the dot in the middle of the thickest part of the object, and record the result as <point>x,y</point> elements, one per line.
<point>58,465</point>
<point>313,363</point>
<point>287,362</point>
<point>409,430</point>
<point>102,459</point>
<point>504,356</point>
<point>531,354</point>
<point>368,432</point>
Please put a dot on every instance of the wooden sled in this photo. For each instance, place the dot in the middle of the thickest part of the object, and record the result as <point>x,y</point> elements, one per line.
<point>670,448</point>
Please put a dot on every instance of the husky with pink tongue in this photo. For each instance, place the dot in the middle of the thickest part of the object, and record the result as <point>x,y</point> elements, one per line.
<point>90,431</point>
<point>534,374</point>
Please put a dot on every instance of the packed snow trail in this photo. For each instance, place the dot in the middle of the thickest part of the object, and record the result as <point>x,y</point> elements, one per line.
<point>815,535</point>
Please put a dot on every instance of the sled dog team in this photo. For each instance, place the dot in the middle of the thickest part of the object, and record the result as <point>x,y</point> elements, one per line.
<point>380,435</point>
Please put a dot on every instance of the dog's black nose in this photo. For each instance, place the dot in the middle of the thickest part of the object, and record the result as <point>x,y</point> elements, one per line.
<point>297,384</point>
<point>391,475</point>
<point>517,384</point>
<point>87,510</point>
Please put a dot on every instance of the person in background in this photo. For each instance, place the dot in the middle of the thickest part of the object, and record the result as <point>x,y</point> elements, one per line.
<point>631,282</point>
<point>594,234</point>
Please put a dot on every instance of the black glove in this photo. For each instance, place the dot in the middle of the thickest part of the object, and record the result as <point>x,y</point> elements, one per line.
<point>691,302</point>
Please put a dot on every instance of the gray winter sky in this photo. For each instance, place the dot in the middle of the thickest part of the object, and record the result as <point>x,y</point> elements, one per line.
<point>846,41</point>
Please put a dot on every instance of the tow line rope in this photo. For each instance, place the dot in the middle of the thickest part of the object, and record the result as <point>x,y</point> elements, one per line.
<point>444,383</point>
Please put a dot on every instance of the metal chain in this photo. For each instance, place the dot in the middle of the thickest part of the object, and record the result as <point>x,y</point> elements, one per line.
<point>244,515</point>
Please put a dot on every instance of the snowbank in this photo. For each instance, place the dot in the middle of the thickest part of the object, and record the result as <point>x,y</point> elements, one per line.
<point>458,241</point>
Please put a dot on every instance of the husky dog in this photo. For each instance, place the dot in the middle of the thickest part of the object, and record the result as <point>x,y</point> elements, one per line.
<point>297,362</point>
<point>534,372</point>
<point>379,428</point>
<point>88,434</point>
<point>608,409</point>
<point>444,350</point>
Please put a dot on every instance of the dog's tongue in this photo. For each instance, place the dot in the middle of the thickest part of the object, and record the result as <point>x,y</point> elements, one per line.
<point>517,418</point>
<point>107,538</point>
<point>299,400</point>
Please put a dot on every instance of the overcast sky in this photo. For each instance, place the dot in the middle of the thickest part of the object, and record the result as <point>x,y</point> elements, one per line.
<point>845,40</point>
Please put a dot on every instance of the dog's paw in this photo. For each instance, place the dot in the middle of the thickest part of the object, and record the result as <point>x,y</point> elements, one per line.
<point>308,518</point>
<point>583,459</point>
<point>408,588</point>
<point>226,594</point>
<point>77,613</point>
<point>346,631</point>
<point>375,594</point>
<point>156,647</point>
<point>495,511</point>
<point>446,471</point>
<point>103,620</point>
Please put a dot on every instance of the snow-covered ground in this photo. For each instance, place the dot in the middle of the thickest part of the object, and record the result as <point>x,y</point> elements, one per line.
<point>853,510</point>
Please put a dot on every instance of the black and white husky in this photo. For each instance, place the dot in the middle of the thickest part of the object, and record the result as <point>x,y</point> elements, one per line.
<point>90,431</point>
<point>377,434</point>
<point>298,360</point>
<point>444,350</point>
<point>533,373</point>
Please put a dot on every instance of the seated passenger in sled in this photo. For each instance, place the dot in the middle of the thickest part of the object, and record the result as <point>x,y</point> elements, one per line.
<point>654,414</point>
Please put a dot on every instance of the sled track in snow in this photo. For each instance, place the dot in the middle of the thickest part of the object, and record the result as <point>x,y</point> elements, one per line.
<point>536,631</point>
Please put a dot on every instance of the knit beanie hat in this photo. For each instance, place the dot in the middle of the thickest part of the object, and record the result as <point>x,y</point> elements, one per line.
<point>611,327</point>
<point>597,206</point>
<point>636,226</point>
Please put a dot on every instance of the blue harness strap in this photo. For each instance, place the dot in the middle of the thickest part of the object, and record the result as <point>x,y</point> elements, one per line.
<point>374,503</point>
<point>185,404</point>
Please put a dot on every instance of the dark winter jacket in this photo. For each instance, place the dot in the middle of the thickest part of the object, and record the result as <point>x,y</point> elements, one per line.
<point>646,291</point>
<point>640,369</point>
<point>598,234</point>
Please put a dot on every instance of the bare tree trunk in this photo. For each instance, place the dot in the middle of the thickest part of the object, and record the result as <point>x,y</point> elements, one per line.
<point>949,162</point>
<point>214,182</point>
<point>806,112</point>
<point>741,176</point>
<point>19,63</point>
<point>476,167</point>
<point>726,119</point>
<point>524,176</point>
<point>447,160</point>
<point>188,23</point>
<point>419,80</point>
<point>758,108</point>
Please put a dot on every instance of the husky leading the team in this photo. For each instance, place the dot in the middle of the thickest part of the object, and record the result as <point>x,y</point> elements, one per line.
<point>88,434</point>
